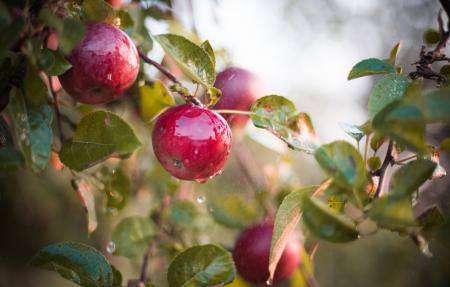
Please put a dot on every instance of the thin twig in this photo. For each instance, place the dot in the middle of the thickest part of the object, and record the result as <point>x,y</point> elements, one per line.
<point>158,66</point>
<point>145,260</point>
<point>381,172</point>
<point>58,114</point>
<point>424,67</point>
<point>238,112</point>
<point>187,97</point>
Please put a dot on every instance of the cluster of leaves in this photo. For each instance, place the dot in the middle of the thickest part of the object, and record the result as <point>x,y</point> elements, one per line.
<point>344,207</point>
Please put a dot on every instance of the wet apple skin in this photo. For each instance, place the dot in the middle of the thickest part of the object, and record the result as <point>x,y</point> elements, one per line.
<point>191,142</point>
<point>104,64</point>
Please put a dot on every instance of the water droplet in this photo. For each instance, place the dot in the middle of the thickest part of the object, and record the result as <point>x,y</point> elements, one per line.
<point>201,199</point>
<point>23,136</point>
<point>269,282</point>
<point>177,163</point>
<point>111,247</point>
<point>201,180</point>
<point>196,151</point>
<point>113,171</point>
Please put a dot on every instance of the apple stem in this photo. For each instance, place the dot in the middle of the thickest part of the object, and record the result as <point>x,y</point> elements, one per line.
<point>238,112</point>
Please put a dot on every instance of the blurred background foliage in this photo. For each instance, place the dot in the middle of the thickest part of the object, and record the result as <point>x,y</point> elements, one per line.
<point>301,49</point>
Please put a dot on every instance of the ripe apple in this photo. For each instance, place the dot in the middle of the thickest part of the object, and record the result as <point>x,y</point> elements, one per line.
<point>115,3</point>
<point>191,142</point>
<point>240,89</point>
<point>251,255</point>
<point>104,64</point>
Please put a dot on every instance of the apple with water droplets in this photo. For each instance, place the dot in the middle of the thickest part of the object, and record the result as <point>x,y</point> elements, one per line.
<point>115,3</point>
<point>252,250</point>
<point>191,142</point>
<point>104,64</point>
<point>240,89</point>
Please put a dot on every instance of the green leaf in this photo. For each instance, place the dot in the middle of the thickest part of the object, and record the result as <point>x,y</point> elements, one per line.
<point>201,266</point>
<point>116,188</point>
<point>71,34</point>
<point>431,37</point>
<point>183,212</point>
<point>232,210</point>
<point>132,236</point>
<point>278,115</point>
<point>403,120</point>
<point>35,89</point>
<point>192,59</point>
<point>99,135</point>
<point>435,106</point>
<point>393,211</point>
<point>10,35</point>
<point>354,131</point>
<point>287,218</point>
<point>374,163</point>
<point>214,95</point>
<point>10,157</point>
<point>58,65</point>
<point>445,144</point>
<point>343,162</point>
<point>70,30</point>
<point>431,218</point>
<point>393,55</point>
<point>34,131</point>
<point>125,19</point>
<point>154,98</point>
<point>370,66</point>
<point>76,262</point>
<point>210,51</point>
<point>326,223</point>
<point>388,89</point>
<point>97,11</point>
<point>411,176</point>
<point>117,277</point>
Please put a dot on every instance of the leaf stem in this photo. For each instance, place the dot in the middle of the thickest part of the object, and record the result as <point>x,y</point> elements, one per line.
<point>238,112</point>
<point>366,148</point>
<point>381,172</point>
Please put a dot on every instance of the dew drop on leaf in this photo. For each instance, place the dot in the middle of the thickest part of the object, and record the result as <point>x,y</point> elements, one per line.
<point>111,247</point>
<point>201,199</point>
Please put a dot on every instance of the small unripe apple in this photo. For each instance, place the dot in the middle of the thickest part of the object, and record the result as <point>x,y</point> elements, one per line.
<point>191,142</point>
<point>104,64</point>
<point>251,255</point>
<point>240,89</point>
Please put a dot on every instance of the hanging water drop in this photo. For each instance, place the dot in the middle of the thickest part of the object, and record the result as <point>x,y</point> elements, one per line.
<point>269,282</point>
<point>201,199</point>
<point>111,247</point>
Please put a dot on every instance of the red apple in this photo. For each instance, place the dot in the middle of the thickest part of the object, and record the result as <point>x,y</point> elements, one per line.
<point>240,89</point>
<point>104,64</point>
<point>251,255</point>
<point>191,142</point>
<point>115,3</point>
